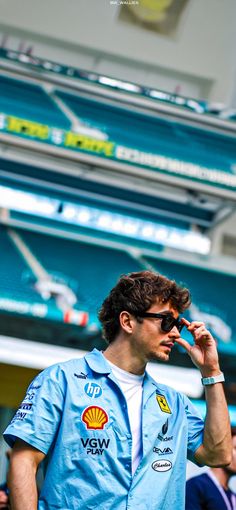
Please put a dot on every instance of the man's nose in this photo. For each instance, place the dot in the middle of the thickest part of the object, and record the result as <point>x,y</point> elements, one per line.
<point>174,332</point>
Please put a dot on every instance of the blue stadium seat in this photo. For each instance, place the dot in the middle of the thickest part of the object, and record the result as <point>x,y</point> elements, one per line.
<point>152,134</point>
<point>94,268</point>
<point>14,273</point>
<point>28,101</point>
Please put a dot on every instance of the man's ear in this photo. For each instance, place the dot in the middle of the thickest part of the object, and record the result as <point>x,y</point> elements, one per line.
<point>126,322</point>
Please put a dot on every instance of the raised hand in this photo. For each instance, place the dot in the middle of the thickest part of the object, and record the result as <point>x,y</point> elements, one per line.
<point>204,352</point>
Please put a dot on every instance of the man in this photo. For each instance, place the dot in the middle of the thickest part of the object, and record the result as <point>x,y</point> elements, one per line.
<point>115,439</point>
<point>210,490</point>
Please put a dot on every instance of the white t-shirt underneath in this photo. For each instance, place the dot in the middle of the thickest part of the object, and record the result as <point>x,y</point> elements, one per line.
<point>132,388</point>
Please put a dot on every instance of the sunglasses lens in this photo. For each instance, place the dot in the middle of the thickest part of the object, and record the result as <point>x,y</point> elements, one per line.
<point>169,322</point>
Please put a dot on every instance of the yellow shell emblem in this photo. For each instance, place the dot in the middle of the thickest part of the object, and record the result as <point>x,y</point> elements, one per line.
<point>94,417</point>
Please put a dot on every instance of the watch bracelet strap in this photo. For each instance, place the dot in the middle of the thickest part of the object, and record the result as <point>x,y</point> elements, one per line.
<point>213,380</point>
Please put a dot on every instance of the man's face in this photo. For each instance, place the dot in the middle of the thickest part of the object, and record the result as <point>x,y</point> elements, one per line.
<point>149,340</point>
<point>231,468</point>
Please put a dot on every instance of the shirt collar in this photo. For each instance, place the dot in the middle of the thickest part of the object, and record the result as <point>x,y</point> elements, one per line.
<point>97,362</point>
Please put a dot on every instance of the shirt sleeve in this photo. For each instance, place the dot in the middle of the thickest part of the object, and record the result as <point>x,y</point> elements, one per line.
<point>37,420</point>
<point>194,500</point>
<point>195,429</point>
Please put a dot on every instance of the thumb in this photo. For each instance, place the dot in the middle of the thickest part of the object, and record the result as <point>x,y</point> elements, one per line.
<point>184,344</point>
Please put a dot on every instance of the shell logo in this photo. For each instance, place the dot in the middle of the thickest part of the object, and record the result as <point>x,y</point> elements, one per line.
<point>94,417</point>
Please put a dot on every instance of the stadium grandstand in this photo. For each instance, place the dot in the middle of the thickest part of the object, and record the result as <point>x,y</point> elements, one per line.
<point>102,175</point>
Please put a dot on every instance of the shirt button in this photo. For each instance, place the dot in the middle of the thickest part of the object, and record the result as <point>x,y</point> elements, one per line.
<point>129,436</point>
<point>127,465</point>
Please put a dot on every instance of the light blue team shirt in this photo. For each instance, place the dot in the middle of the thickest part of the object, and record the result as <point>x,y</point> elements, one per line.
<point>76,413</point>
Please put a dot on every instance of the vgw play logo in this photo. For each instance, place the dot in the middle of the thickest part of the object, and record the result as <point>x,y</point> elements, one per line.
<point>95,446</point>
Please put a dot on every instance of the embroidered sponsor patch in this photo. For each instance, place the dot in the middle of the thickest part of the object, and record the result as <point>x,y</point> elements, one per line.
<point>165,451</point>
<point>164,430</point>
<point>164,438</point>
<point>94,417</point>
<point>26,406</point>
<point>95,446</point>
<point>19,416</point>
<point>23,410</point>
<point>81,375</point>
<point>93,389</point>
<point>163,404</point>
<point>162,465</point>
<point>34,386</point>
<point>31,392</point>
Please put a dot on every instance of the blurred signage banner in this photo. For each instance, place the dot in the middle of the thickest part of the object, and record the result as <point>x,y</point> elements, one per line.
<point>161,163</point>
<point>42,311</point>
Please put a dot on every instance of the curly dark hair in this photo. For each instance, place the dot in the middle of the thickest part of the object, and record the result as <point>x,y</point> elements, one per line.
<point>135,293</point>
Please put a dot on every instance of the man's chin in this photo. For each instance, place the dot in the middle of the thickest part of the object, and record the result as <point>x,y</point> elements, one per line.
<point>159,356</point>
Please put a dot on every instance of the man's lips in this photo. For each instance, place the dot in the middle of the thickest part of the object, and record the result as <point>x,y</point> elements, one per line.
<point>168,344</point>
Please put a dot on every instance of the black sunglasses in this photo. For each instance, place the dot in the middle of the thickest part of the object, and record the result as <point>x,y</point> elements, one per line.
<point>168,321</point>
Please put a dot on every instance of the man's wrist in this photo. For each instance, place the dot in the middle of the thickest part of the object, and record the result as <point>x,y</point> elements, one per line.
<point>206,381</point>
<point>208,372</point>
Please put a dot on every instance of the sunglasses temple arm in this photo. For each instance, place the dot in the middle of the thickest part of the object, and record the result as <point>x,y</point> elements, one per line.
<point>181,327</point>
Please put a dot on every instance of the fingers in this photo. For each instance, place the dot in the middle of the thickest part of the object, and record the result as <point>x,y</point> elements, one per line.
<point>183,344</point>
<point>191,326</point>
<point>201,332</point>
<point>197,329</point>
